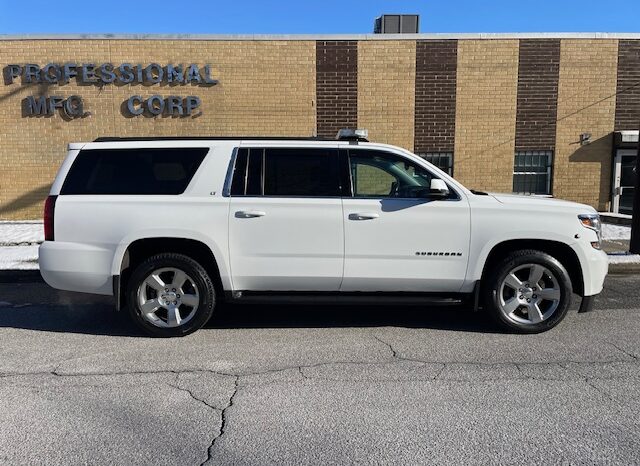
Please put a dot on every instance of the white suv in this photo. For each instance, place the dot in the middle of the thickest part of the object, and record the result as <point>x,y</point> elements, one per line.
<point>173,226</point>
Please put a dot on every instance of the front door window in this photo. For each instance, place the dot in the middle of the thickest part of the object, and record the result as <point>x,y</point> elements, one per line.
<point>381,175</point>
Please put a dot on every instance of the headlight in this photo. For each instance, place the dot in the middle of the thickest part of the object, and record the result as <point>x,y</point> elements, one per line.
<point>592,221</point>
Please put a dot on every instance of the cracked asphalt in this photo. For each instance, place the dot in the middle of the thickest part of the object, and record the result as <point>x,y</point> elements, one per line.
<point>265,385</point>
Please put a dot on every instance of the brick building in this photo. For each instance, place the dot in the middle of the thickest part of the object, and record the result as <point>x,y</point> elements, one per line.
<point>537,113</point>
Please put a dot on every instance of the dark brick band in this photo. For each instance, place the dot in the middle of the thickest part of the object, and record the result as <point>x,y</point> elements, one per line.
<point>435,106</point>
<point>336,86</point>
<point>628,88</point>
<point>537,106</point>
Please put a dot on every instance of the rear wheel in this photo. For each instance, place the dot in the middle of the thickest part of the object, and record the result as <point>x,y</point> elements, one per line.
<point>528,292</point>
<point>170,295</point>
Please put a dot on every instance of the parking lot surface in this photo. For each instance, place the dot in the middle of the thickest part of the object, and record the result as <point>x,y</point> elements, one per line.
<point>267,385</point>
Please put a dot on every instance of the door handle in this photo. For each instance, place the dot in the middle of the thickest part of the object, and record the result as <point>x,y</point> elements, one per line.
<point>363,216</point>
<point>250,213</point>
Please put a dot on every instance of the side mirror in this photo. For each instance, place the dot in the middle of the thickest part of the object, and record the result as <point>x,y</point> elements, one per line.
<point>438,188</point>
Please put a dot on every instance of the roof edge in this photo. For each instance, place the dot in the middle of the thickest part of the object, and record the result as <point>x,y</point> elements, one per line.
<point>306,37</point>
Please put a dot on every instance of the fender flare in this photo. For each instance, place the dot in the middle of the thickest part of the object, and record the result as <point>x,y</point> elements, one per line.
<point>476,272</point>
<point>175,233</point>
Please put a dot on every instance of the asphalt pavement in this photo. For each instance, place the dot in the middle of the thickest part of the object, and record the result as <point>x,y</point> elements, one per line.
<point>301,385</point>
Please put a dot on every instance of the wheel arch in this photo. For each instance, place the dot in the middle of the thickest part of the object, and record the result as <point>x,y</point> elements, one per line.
<point>142,248</point>
<point>560,251</point>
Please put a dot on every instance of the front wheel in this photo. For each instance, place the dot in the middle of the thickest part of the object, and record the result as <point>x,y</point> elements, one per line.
<point>170,295</point>
<point>528,292</point>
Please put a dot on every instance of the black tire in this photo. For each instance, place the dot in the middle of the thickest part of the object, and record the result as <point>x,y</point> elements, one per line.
<point>495,277</point>
<point>200,278</point>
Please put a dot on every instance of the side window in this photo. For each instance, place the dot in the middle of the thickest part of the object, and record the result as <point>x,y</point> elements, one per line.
<point>301,172</point>
<point>239,179</point>
<point>133,171</point>
<point>255,166</point>
<point>247,173</point>
<point>381,174</point>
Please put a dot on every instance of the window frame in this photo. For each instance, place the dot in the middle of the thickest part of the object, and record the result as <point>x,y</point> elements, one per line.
<point>453,193</point>
<point>549,171</point>
<point>240,151</point>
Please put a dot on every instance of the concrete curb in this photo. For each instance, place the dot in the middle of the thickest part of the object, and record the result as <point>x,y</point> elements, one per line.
<point>624,269</point>
<point>615,219</point>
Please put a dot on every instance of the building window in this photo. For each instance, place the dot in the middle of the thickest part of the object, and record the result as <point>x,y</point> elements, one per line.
<point>442,160</point>
<point>532,172</point>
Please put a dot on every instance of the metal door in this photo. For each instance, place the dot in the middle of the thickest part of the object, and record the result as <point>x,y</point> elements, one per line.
<point>624,181</point>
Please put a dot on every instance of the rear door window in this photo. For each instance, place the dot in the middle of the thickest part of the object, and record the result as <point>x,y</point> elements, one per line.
<point>133,171</point>
<point>247,173</point>
<point>301,172</point>
<point>286,172</point>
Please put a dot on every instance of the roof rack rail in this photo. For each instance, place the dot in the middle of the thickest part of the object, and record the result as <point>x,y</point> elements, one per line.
<point>209,138</point>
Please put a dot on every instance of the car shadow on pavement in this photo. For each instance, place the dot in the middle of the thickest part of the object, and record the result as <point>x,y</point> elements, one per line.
<point>37,307</point>
<point>451,317</point>
<point>95,319</point>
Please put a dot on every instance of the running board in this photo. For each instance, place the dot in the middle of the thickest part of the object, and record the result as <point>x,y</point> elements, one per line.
<point>381,299</point>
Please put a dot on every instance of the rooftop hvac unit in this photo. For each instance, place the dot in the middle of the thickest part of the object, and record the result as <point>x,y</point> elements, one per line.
<point>397,24</point>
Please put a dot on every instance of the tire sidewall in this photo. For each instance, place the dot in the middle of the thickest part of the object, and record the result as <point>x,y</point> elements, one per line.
<point>191,268</point>
<point>529,257</point>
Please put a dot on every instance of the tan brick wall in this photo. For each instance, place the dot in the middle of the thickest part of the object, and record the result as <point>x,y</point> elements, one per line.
<point>586,104</point>
<point>386,90</point>
<point>269,87</point>
<point>31,149</point>
<point>266,88</point>
<point>486,113</point>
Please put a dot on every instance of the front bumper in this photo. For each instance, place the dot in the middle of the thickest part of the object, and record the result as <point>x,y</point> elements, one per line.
<point>595,267</point>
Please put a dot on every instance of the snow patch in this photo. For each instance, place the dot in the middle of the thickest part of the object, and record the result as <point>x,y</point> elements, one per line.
<point>624,258</point>
<point>21,233</point>
<point>613,232</point>
<point>19,257</point>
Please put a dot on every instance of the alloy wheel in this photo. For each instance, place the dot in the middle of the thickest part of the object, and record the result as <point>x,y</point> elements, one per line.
<point>168,298</point>
<point>529,294</point>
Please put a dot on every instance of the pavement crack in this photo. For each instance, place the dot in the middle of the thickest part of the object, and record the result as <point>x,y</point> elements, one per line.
<point>301,368</point>
<point>439,373</point>
<point>394,353</point>
<point>177,386</point>
<point>397,356</point>
<point>631,355</point>
<point>56,370</point>
<point>603,392</point>
<point>519,369</point>
<point>224,421</point>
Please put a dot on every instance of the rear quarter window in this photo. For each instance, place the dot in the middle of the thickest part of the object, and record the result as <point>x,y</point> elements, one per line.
<point>133,171</point>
